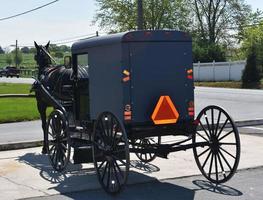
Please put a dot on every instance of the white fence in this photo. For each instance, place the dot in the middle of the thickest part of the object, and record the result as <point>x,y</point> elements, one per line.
<point>219,71</point>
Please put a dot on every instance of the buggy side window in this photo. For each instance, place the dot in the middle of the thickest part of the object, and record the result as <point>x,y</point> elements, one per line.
<point>82,60</point>
<point>82,65</point>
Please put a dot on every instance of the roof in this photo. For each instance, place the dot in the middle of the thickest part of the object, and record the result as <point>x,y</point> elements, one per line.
<point>132,36</point>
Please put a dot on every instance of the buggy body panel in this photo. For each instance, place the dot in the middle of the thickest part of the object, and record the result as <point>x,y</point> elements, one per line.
<point>157,62</point>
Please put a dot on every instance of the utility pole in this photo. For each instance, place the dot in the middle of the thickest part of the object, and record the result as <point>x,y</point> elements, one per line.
<point>16,54</point>
<point>140,15</point>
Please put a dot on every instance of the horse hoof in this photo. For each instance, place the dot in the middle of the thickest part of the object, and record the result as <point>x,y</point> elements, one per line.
<point>44,151</point>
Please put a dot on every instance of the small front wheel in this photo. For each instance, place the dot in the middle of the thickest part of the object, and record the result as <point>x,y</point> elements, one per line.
<point>111,152</point>
<point>58,140</point>
<point>218,159</point>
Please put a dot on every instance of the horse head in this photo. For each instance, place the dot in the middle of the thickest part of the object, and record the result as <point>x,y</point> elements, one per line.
<point>42,56</point>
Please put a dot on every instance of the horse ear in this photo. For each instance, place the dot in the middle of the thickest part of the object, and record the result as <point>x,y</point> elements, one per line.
<point>47,46</point>
<point>36,45</point>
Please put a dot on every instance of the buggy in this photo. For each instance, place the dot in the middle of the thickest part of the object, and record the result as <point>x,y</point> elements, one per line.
<point>138,89</point>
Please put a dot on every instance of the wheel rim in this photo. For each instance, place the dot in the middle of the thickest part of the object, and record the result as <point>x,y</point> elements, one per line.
<point>58,141</point>
<point>144,144</point>
<point>219,159</point>
<point>110,153</point>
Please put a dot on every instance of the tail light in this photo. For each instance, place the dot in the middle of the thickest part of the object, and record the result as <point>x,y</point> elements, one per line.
<point>191,108</point>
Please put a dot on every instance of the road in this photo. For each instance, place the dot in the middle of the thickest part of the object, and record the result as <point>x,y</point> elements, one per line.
<point>246,185</point>
<point>242,104</point>
<point>16,80</point>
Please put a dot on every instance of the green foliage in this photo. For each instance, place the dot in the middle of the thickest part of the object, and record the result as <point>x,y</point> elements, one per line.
<point>58,54</point>
<point>251,75</point>
<point>208,53</point>
<point>253,36</point>
<point>8,59</point>
<point>116,16</point>
<point>18,58</point>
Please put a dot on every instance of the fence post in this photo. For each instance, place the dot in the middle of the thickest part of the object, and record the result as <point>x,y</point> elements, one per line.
<point>198,68</point>
<point>214,76</point>
<point>229,63</point>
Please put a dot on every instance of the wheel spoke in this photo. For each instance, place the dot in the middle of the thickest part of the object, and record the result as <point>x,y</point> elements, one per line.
<point>202,136</point>
<point>222,128</point>
<point>203,152</point>
<point>216,168</point>
<point>218,121</point>
<point>204,130</point>
<point>116,158</point>
<point>207,123</point>
<point>227,134</point>
<point>221,165</point>
<point>225,160</point>
<point>227,152</point>
<point>206,159</point>
<point>104,171</point>
<point>101,164</point>
<point>211,165</point>
<point>109,175</point>
<point>227,143</point>
<point>212,119</point>
<point>116,175</point>
<point>118,167</point>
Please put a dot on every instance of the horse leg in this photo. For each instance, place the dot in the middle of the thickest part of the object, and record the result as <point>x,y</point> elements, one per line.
<point>42,110</point>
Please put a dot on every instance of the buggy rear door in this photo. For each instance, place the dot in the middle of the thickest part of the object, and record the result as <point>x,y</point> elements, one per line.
<point>157,69</point>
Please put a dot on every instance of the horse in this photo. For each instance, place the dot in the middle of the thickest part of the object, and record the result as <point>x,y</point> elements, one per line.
<point>53,78</point>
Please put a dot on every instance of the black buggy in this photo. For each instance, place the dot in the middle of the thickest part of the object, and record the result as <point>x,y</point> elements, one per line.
<point>139,89</point>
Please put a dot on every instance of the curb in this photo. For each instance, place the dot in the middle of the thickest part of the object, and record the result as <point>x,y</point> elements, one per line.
<point>249,122</point>
<point>20,145</point>
<point>31,144</point>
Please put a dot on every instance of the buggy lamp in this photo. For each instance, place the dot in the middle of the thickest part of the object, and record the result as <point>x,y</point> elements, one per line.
<point>165,111</point>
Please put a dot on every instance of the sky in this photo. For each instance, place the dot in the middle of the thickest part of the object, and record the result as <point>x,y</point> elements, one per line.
<point>64,19</point>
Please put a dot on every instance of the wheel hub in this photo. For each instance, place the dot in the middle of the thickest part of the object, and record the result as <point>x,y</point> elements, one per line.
<point>214,144</point>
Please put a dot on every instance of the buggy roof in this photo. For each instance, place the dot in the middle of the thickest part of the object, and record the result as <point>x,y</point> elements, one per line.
<point>132,36</point>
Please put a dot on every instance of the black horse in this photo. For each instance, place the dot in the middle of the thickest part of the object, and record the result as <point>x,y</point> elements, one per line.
<point>54,78</point>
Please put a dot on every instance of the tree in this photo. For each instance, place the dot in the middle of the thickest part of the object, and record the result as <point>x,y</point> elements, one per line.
<point>251,75</point>
<point>253,35</point>
<point>1,50</point>
<point>215,18</point>
<point>116,16</point>
<point>25,50</point>
<point>8,59</point>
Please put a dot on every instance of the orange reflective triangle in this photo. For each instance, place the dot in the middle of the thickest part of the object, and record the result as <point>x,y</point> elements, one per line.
<point>165,111</point>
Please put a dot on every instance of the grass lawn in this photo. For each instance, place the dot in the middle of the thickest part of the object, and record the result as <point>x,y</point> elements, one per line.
<point>17,109</point>
<point>219,84</point>
<point>233,84</point>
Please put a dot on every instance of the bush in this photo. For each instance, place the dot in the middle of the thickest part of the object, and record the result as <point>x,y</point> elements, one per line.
<point>252,73</point>
<point>208,52</point>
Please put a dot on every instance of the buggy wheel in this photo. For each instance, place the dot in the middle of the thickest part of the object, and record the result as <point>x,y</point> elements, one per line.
<point>110,153</point>
<point>218,160</point>
<point>144,144</point>
<point>58,140</point>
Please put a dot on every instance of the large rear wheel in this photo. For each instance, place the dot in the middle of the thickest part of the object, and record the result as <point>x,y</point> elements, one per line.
<point>58,140</point>
<point>111,152</point>
<point>218,160</point>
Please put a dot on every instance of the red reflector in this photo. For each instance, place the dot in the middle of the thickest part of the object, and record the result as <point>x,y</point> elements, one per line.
<point>165,111</point>
<point>127,118</point>
<point>191,109</point>
<point>189,76</point>
<point>191,113</point>
<point>127,113</point>
<point>126,79</point>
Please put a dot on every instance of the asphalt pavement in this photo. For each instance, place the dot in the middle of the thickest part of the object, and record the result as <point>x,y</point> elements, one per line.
<point>247,185</point>
<point>242,105</point>
<point>27,173</point>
